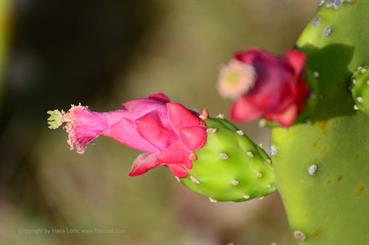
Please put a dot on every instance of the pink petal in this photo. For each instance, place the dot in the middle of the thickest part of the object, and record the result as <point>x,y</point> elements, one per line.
<point>194,138</point>
<point>175,154</point>
<point>125,132</point>
<point>189,127</point>
<point>288,117</point>
<point>180,117</point>
<point>152,130</point>
<point>113,117</point>
<point>296,60</point>
<point>140,107</point>
<point>83,126</point>
<point>143,163</point>
<point>160,97</point>
<point>302,95</point>
<point>177,170</point>
<point>243,111</point>
<point>256,57</point>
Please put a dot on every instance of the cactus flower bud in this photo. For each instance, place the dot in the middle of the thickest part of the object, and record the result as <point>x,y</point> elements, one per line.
<point>209,155</point>
<point>166,132</point>
<point>273,88</point>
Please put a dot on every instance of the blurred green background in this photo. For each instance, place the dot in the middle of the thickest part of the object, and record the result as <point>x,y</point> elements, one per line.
<point>101,53</point>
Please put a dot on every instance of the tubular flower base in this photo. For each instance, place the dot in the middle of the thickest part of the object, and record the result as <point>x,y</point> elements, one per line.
<point>272,89</point>
<point>166,132</point>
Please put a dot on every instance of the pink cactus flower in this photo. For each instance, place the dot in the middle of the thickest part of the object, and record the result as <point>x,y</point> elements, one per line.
<point>166,132</point>
<point>274,89</point>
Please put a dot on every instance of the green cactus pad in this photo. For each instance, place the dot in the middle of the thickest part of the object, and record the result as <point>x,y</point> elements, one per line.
<point>336,41</point>
<point>346,25</point>
<point>322,168</point>
<point>360,89</point>
<point>322,173</point>
<point>230,167</point>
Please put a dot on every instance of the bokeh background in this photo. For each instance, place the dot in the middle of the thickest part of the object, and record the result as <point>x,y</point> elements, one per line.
<point>101,53</point>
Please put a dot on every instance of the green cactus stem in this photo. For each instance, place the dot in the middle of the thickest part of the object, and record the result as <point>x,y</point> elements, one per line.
<point>230,167</point>
<point>322,176</point>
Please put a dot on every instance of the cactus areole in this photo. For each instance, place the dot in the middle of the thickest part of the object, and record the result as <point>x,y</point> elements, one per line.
<point>318,93</point>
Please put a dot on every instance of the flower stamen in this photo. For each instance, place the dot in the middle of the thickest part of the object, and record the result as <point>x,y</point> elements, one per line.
<point>236,79</point>
<point>55,119</point>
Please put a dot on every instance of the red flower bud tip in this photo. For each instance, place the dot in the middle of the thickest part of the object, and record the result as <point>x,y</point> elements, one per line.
<point>166,132</point>
<point>273,89</point>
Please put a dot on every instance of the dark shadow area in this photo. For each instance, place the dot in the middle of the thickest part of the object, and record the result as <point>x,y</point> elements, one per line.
<point>329,78</point>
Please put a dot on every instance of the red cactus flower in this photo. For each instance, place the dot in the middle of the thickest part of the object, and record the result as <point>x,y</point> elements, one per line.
<point>166,132</point>
<point>265,86</point>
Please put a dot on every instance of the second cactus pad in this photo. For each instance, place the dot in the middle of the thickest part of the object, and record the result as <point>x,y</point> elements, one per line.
<point>230,167</point>
<point>360,89</point>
